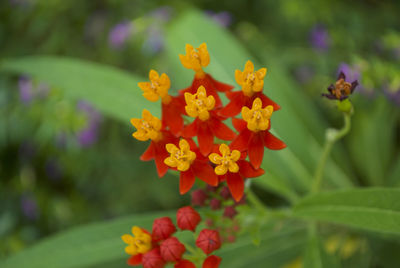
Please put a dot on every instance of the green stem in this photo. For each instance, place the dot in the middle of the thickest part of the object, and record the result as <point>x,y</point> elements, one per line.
<point>332,135</point>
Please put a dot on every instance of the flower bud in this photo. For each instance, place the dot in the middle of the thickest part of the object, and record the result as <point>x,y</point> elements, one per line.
<point>198,197</point>
<point>153,259</point>
<point>172,250</point>
<point>208,240</point>
<point>212,262</point>
<point>225,193</point>
<point>215,204</point>
<point>230,212</point>
<point>163,228</point>
<point>187,218</point>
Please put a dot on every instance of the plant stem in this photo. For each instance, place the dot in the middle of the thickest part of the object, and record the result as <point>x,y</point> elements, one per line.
<point>332,135</point>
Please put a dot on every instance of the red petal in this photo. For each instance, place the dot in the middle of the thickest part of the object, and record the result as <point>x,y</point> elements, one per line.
<point>272,142</point>
<point>221,131</point>
<point>184,264</point>
<point>135,260</point>
<point>205,172</point>
<point>248,171</point>
<point>232,94</point>
<point>266,101</point>
<point>212,262</point>
<point>239,124</point>
<point>219,86</point>
<point>160,154</point>
<point>172,117</point>
<point>191,129</point>
<point>234,107</point>
<point>186,181</point>
<point>256,150</point>
<point>149,153</point>
<point>241,142</point>
<point>236,185</point>
<point>205,138</point>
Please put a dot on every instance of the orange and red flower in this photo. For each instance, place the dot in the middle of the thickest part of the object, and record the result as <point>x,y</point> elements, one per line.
<point>254,132</point>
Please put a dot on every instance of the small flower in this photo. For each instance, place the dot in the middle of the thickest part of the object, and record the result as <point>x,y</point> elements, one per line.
<point>257,118</point>
<point>198,104</point>
<point>207,123</point>
<point>139,243</point>
<point>181,157</point>
<point>225,193</point>
<point>153,259</point>
<point>254,133</point>
<point>251,81</point>
<point>157,87</point>
<point>184,159</point>
<point>172,250</point>
<point>208,241</point>
<point>226,161</point>
<point>342,89</point>
<point>195,59</point>
<point>147,128</point>
<point>120,34</point>
<point>163,228</point>
<point>187,218</point>
<point>319,38</point>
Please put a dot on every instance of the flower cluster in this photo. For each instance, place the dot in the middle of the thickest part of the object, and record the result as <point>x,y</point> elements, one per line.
<point>189,139</point>
<point>157,249</point>
<point>173,143</point>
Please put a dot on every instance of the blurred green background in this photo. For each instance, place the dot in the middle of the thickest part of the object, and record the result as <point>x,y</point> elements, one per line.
<point>64,163</point>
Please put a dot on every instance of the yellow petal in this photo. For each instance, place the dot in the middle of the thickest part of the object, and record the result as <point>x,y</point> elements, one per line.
<point>224,149</point>
<point>249,67</point>
<point>235,155</point>
<point>184,145</point>
<point>220,170</point>
<point>239,77</point>
<point>215,158</point>
<point>131,250</point>
<point>233,167</point>
<point>136,231</point>
<point>257,104</point>
<point>153,75</point>
<point>171,148</point>
<point>261,73</point>
<point>171,162</point>
<point>128,239</point>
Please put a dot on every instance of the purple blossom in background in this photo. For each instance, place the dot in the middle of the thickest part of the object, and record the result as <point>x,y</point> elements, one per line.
<point>155,40</point>
<point>25,89</point>
<point>89,134</point>
<point>393,96</point>
<point>53,169</point>
<point>29,207</point>
<point>119,34</point>
<point>223,18</point>
<point>163,14</point>
<point>319,38</point>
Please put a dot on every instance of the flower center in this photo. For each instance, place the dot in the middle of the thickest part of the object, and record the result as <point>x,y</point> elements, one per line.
<point>257,118</point>
<point>181,157</point>
<point>147,127</point>
<point>198,104</point>
<point>226,161</point>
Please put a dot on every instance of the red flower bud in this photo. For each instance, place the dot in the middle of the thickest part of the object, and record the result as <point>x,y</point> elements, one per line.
<point>184,264</point>
<point>199,197</point>
<point>230,212</point>
<point>153,259</point>
<point>215,204</point>
<point>212,262</point>
<point>172,250</point>
<point>225,193</point>
<point>208,241</point>
<point>209,222</point>
<point>187,218</point>
<point>163,228</point>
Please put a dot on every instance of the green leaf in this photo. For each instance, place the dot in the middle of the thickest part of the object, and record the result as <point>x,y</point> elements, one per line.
<point>374,209</point>
<point>295,163</point>
<point>112,91</point>
<point>83,246</point>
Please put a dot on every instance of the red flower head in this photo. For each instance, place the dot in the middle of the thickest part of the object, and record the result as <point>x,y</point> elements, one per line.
<point>172,250</point>
<point>172,107</point>
<point>149,127</point>
<point>255,134</point>
<point>252,83</point>
<point>163,228</point>
<point>196,60</point>
<point>153,259</point>
<point>208,241</point>
<point>199,197</point>
<point>190,166</point>
<point>207,124</point>
<point>233,170</point>
<point>187,218</point>
<point>211,261</point>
